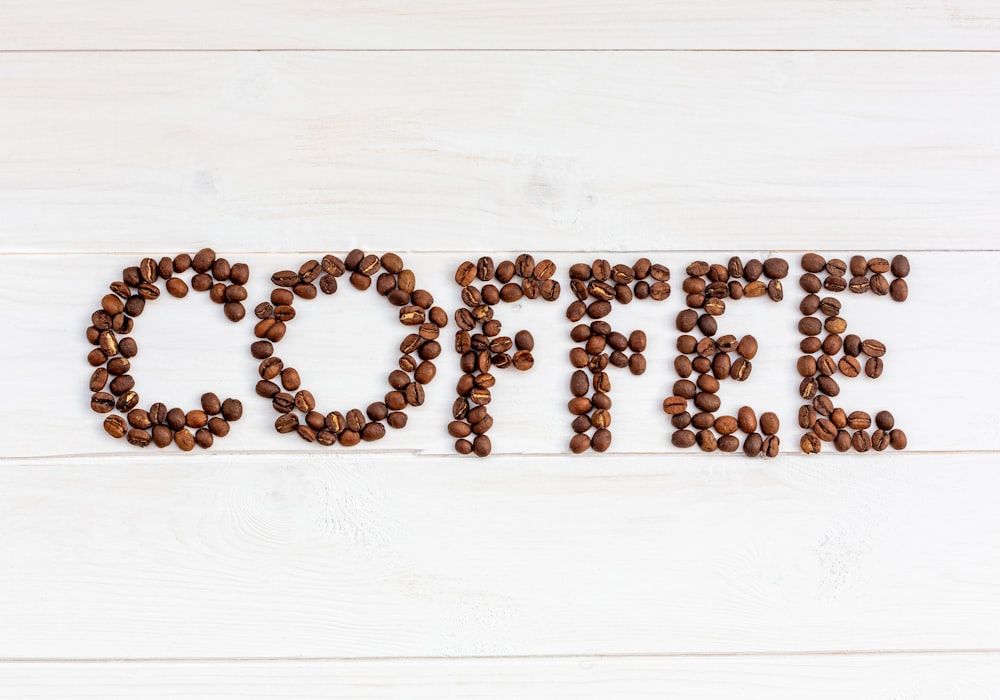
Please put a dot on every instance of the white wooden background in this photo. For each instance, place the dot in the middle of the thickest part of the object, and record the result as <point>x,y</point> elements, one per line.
<point>444,130</point>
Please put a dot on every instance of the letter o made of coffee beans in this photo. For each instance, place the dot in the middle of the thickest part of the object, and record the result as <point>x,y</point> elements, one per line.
<point>111,383</point>
<point>281,384</point>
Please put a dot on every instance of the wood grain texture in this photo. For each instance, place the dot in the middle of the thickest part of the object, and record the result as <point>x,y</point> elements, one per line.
<point>879,677</point>
<point>381,555</point>
<point>429,151</point>
<point>500,24</point>
<point>345,346</point>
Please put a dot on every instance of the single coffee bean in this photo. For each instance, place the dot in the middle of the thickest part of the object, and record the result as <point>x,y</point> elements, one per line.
<point>807,416</point>
<point>808,387</point>
<point>899,290</point>
<point>861,441</point>
<point>809,304</point>
<point>835,283</point>
<point>99,379</point>
<point>752,269</point>
<point>115,426</point>
<point>810,325</point>
<point>203,438</point>
<point>579,443</point>
<point>128,347</point>
<point>482,446</point>
<point>728,443</point>
<point>839,418</point>
<point>879,285</point>
<point>810,344</point>
<point>267,389</point>
<point>879,265</point>
<point>810,444</point>
<point>121,384</point>
<point>139,418</point>
<point>740,370</point>
<point>825,429</point>
<point>210,403</point>
<point>753,445</point>
<point>708,403</point>
<point>703,420</point>
<point>196,418</point>
<point>706,441</point>
<point>812,262</point>
<point>828,385</point>
<point>810,283</point>
<point>203,259</point>
<point>859,284</point>
<point>832,344</point>
<point>858,265</point>
<point>637,363</point>
<point>726,425</point>
<point>772,446</point>
<point>842,442</point>
<point>162,436</point>
<point>769,423</point>
<point>184,440</point>
<point>852,345</point>
<point>873,348</point>
<point>218,426</point>
<point>524,265</point>
<point>885,420</point>
<point>683,438</point>
<point>835,325</point>
<point>674,405</point>
<point>746,419</point>
<point>880,440</point>
<point>137,437</point>
<point>775,291</point>
<point>806,366</point>
<point>234,311</point>
<point>836,267</point>
<point>900,266</point>
<point>829,306</point>
<point>754,289</point>
<point>776,268</point>
<point>849,366</point>
<point>823,405</point>
<point>859,420</point>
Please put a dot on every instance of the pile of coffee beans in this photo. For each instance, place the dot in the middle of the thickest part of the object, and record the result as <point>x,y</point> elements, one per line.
<point>112,385</point>
<point>707,287</point>
<point>480,344</point>
<point>596,287</point>
<point>819,363</point>
<point>282,385</point>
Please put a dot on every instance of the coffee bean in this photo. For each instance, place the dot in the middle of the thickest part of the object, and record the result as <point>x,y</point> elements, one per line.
<point>203,438</point>
<point>807,416</point>
<point>809,304</point>
<point>128,347</point>
<point>879,285</point>
<point>861,441</point>
<point>836,267</point>
<point>835,325</point>
<point>708,403</point>
<point>162,436</point>
<point>754,289</point>
<point>184,440</point>
<point>637,364</point>
<point>753,445</point>
<point>740,370</point>
<point>775,291</point>
<point>849,366</point>
<point>234,311</point>
<point>726,425</point>
<point>842,442</point>
<point>134,306</point>
<point>706,441</point>
<point>858,265</point>
<point>137,437</point>
<point>880,440</point>
<point>769,423</point>
<point>203,259</point>
<point>218,426</point>
<point>828,385</point>
<point>673,405</point>
<point>115,426</point>
<point>885,420</point>
<point>852,345</point>
<point>810,325</point>
<point>482,446</point>
<point>776,268</point>
<point>899,290</point>
<point>771,446</point>
<point>873,348</point>
<point>232,409</point>
<point>196,418</point>
<point>832,344</point>
<point>810,444</point>
<point>808,387</point>
<point>812,262</point>
<point>825,429</point>
<point>810,283</point>
<point>835,283</point>
<point>806,366</point>
<point>900,266</point>
<point>859,284</point>
<point>859,420</point>
<point>121,384</point>
<point>210,403</point>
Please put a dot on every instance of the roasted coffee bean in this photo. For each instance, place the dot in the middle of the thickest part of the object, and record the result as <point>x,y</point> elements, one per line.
<point>885,420</point>
<point>708,403</point>
<point>835,325</point>
<point>808,387</point>
<point>836,267</point>
<point>373,431</point>
<point>217,293</point>
<point>708,325</point>
<point>235,292</point>
<point>120,384</point>
<point>673,405</point>
<point>681,420</point>
<point>137,437</point>
<point>769,423</point>
<point>203,259</point>
<point>852,345</point>
<point>687,320</point>
<point>706,441</point>
<point>879,285</point>
<point>899,290</point>
<point>232,409</point>
<point>823,405</point>
<point>182,262</point>
<point>127,401</point>
<point>810,325</point>
<point>184,440</point>
<point>221,269</point>
<point>880,440</point>
<point>859,420</point>
<point>218,426</point>
<point>718,273</point>
<point>283,402</point>
<point>858,265</point>
<point>811,344</point>
<point>698,268</point>
<point>196,418</point>
<point>729,443</point>
<point>707,382</point>
<point>859,284</point>
<point>812,262</point>
<point>809,304</point>
<point>637,364</point>
<point>806,366</point>
<point>134,306</point>
<point>753,445</point>
<point>829,306</point>
<point>715,307</point>
<point>826,365</point>
<point>842,442</point>
<point>828,385</point>
<point>747,347</point>
<point>849,366</point>
<point>682,365</point>
<point>754,289</point>
<point>900,266</point>
<point>96,357</point>
<point>835,283</point>
<point>726,425</point>
<point>261,349</point>
<point>810,283</point>
<point>861,441</point>
<point>131,276</point>
<point>482,446</point>
<point>544,269</point>
<point>267,389</point>
<point>807,416</point>
<point>270,367</point>
<point>825,429</point>
<point>176,419</point>
<point>210,403</point>
<point>524,265</point>
<point>115,426</point>
<point>771,446</point>
<point>201,282</point>
<point>286,423</point>
<point>579,443</point>
<point>776,268</point>
<point>879,265</point>
<point>234,311</point>
<point>599,309</point>
<point>203,438</point>
<point>810,444</point>
<point>740,370</point>
<point>415,395</point>
<point>873,348</point>
<point>832,344</point>
<point>162,436</point>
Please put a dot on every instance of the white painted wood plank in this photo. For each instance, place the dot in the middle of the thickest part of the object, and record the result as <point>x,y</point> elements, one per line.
<point>501,24</point>
<point>878,677</point>
<point>345,346</point>
<point>382,555</point>
<point>572,151</point>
